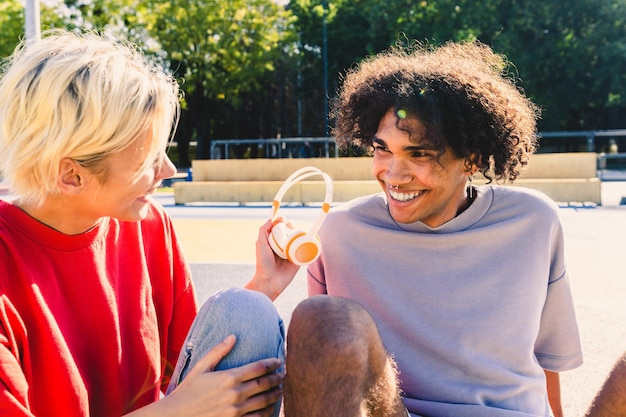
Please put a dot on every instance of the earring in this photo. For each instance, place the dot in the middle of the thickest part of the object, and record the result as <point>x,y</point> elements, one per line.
<point>470,189</point>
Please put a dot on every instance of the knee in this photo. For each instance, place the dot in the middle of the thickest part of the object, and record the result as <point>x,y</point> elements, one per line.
<point>241,304</point>
<point>327,311</point>
<point>250,315</point>
<point>334,325</point>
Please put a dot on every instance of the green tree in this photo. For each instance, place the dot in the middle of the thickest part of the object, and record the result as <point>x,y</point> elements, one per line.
<point>11,26</point>
<point>12,23</point>
<point>358,28</point>
<point>225,54</point>
<point>570,57</point>
<point>252,68</point>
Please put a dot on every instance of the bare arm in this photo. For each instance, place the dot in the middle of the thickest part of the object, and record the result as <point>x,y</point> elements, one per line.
<point>553,386</point>
<point>610,401</point>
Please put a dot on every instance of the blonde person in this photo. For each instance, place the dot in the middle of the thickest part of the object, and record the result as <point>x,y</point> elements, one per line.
<point>96,298</point>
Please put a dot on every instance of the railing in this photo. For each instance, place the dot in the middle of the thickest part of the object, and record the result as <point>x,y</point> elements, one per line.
<point>277,148</point>
<point>591,143</point>
<point>608,142</point>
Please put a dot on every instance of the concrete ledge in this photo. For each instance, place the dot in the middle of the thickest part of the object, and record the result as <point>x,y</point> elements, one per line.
<point>566,190</point>
<point>243,192</point>
<point>230,191</point>
<point>581,190</point>
<point>567,177</point>
<point>279,169</point>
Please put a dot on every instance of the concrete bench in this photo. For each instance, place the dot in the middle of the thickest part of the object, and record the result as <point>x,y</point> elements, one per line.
<point>565,177</point>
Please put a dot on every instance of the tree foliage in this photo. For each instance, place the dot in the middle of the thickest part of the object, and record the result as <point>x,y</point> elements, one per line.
<point>225,54</point>
<point>570,56</point>
<point>11,25</point>
<point>254,68</point>
<point>567,56</point>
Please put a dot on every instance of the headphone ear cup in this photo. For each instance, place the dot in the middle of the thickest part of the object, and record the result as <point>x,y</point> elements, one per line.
<point>303,249</point>
<point>279,239</point>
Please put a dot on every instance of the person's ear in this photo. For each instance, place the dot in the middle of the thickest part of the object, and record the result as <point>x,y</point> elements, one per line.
<point>471,164</point>
<point>71,174</point>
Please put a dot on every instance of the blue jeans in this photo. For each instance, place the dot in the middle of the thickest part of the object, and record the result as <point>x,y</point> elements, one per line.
<point>250,316</point>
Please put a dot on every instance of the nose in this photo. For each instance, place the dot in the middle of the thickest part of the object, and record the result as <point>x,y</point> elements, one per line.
<point>398,172</point>
<point>166,168</point>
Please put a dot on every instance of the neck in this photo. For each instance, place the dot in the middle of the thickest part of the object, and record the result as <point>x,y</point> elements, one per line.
<point>470,196</point>
<point>59,214</point>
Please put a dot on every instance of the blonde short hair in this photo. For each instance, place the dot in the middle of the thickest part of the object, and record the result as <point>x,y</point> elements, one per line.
<point>82,97</point>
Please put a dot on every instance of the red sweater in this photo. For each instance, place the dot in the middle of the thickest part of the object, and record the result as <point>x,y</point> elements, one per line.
<point>92,324</point>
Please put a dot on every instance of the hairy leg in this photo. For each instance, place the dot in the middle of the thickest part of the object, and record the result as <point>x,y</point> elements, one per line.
<point>611,399</point>
<point>336,363</point>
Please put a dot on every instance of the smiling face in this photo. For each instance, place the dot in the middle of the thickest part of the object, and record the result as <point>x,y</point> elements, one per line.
<point>430,188</point>
<point>118,186</point>
<point>129,182</point>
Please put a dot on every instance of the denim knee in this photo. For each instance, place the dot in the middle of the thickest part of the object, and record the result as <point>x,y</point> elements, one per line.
<point>249,315</point>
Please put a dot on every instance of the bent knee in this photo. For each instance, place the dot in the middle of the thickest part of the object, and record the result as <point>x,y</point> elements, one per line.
<point>242,301</point>
<point>327,318</point>
<point>326,306</point>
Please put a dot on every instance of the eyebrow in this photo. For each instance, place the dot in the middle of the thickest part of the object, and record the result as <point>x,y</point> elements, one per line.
<point>413,148</point>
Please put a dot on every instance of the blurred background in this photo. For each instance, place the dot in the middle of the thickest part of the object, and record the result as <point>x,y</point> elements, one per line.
<point>260,73</point>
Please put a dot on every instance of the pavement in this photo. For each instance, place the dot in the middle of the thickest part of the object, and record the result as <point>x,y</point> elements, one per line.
<point>219,241</point>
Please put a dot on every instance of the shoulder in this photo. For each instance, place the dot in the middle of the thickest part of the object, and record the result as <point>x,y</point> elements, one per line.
<point>515,194</point>
<point>363,214</point>
<point>367,207</point>
<point>521,202</point>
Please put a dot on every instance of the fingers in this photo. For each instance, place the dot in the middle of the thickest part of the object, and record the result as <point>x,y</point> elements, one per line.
<point>215,355</point>
<point>272,273</point>
<point>254,387</point>
<point>263,393</point>
<point>265,412</point>
<point>255,370</point>
<point>245,373</point>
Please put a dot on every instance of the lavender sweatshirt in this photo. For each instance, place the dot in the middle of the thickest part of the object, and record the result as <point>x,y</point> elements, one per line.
<point>473,311</point>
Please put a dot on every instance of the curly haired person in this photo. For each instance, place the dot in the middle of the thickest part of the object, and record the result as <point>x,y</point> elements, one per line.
<point>436,297</point>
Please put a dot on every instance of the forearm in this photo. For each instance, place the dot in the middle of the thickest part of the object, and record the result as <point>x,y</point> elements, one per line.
<point>553,387</point>
<point>155,409</point>
<point>270,292</point>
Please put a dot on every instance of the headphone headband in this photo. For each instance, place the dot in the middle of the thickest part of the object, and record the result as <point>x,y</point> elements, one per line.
<point>299,175</point>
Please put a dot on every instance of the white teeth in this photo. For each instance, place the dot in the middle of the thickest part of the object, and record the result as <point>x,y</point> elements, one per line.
<point>403,196</point>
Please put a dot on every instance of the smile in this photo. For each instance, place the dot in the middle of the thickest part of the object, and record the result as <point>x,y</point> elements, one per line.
<point>403,196</point>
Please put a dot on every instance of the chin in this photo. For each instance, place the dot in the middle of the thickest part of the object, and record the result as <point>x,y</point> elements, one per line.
<point>402,218</point>
<point>134,214</point>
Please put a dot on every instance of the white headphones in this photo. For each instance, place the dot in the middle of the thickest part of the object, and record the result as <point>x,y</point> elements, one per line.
<point>298,246</point>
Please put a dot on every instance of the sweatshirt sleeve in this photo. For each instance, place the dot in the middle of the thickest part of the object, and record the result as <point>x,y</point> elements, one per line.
<point>315,278</point>
<point>558,346</point>
<point>185,305</point>
<point>172,286</point>
<point>13,381</point>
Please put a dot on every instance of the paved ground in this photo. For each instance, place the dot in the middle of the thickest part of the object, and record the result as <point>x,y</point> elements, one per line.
<point>219,243</point>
